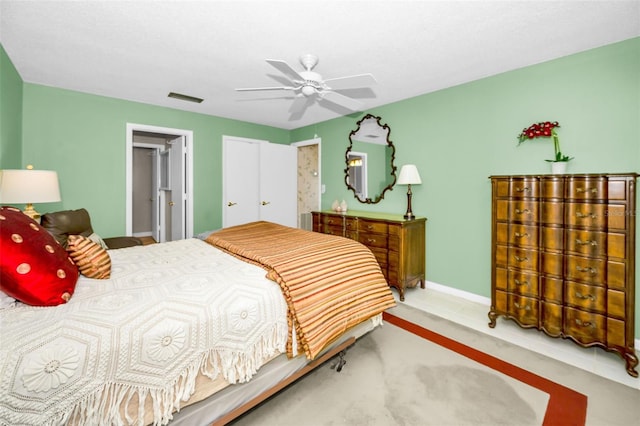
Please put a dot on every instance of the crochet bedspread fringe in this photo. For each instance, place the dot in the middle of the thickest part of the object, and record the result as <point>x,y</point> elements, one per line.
<point>104,405</point>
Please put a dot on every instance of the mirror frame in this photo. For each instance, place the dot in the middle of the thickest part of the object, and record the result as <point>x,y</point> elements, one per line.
<point>389,187</point>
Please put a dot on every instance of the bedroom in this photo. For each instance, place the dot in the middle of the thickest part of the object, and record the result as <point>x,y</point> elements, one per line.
<point>592,93</point>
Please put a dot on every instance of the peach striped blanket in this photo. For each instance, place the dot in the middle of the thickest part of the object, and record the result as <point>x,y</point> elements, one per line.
<point>329,283</point>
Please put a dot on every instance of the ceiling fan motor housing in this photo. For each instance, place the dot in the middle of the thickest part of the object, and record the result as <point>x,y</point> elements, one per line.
<point>311,83</point>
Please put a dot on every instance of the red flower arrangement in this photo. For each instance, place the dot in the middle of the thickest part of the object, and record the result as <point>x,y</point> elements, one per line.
<point>545,129</point>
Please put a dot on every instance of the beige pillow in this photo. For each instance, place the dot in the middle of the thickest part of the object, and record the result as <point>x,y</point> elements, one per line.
<point>92,260</point>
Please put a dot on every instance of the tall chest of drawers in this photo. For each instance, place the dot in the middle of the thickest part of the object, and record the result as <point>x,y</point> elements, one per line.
<point>563,257</point>
<point>397,243</point>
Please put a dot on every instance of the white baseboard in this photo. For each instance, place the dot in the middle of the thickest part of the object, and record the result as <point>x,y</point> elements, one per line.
<point>458,293</point>
<point>142,234</point>
<point>477,298</point>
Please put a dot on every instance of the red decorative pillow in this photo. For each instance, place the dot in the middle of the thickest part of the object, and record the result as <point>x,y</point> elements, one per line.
<point>34,268</point>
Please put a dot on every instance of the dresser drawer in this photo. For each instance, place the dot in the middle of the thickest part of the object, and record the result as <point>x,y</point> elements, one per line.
<point>523,188</point>
<point>350,224</point>
<point>351,234</point>
<point>517,235</point>
<point>585,327</point>
<point>586,270</point>
<point>552,187</point>
<point>522,282</point>
<point>372,227</point>
<point>524,309</point>
<point>552,289</point>
<point>587,215</point>
<point>516,281</point>
<point>588,297</point>
<point>552,238</point>
<point>517,211</point>
<point>330,220</point>
<point>522,259</point>
<point>333,230</point>
<point>373,240</point>
<point>587,243</point>
<point>587,188</point>
<point>381,256</point>
<point>552,212</point>
<point>616,335</point>
<point>551,318</point>
<point>616,304</point>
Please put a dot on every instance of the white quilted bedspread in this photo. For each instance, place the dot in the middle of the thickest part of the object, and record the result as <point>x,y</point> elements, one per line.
<point>168,312</point>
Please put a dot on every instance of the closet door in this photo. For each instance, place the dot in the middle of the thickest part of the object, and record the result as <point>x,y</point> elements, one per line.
<point>279,184</point>
<point>240,177</point>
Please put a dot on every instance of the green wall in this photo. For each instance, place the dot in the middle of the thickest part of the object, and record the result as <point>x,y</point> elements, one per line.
<point>10,114</point>
<point>457,137</point>
<point>460,136</point>
<point>83,137</point>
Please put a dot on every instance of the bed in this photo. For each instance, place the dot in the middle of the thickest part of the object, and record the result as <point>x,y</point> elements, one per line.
<point>188,332</point>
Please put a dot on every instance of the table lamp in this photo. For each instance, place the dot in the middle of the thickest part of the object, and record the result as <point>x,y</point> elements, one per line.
<point>409,176</point>
<point>27,187</point>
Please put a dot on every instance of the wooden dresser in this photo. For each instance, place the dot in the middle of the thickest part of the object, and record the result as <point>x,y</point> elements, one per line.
<point>397,243</point>
<point>563,257</point>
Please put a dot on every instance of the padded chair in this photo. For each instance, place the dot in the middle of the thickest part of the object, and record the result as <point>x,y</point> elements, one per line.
<point>77,222</point>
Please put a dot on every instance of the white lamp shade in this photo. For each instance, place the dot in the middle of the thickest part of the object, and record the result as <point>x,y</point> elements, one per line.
<point>409,175</point>
<point>29,186</point>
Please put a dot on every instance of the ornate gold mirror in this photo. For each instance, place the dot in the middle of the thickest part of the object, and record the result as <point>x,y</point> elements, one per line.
<point>369,158</point>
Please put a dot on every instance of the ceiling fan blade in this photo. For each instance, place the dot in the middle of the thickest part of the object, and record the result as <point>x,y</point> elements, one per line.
<point>247,89</point>
<point>360,80</point>
<point>342,100</point>
<point>299,106</point>
<point>286,69</point>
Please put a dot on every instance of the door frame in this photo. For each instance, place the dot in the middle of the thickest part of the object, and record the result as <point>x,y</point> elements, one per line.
<point>188,135</point>
<point>315,141</point>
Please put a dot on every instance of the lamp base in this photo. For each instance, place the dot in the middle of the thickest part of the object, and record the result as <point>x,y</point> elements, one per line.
<point>409,214</point>
<point>31,212</point>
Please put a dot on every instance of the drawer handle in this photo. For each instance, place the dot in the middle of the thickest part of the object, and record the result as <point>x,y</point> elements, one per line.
<point>585,190</point>
<point>371,240</point>
<point>585,215</point>
<point>592,271</point>
<point>525,307</point>
<point>585,323</point>
<point>524,189</point>
<point>585,296</point>
<point>521,259</point>
<point>525,211</point>
<point>519,235</point>
<point>369,227</point>
<point>522,283</point>
<point>586,243</point>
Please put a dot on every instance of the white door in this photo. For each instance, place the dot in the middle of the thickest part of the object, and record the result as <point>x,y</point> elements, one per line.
<point>177,159</point>
<point>240,174</point>
<point>279,184</point>
<point>259,182</point>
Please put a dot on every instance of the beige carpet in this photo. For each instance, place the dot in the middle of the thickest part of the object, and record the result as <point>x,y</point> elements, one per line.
<point>395,377</point>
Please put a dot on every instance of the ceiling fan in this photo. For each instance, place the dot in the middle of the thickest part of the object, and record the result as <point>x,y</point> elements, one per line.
<point>309,86</point>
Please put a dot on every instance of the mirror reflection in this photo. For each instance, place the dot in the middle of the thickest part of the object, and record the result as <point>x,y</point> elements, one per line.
<point>369,158</point>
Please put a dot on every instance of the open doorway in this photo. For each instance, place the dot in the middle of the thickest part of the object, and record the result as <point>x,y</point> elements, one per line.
<point>310,186</point>
<point>159,175</point>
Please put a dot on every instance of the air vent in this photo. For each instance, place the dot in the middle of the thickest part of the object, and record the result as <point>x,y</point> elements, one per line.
<point>185,97</point>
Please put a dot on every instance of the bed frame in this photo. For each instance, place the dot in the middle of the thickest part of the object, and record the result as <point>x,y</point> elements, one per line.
<point>235,400</point>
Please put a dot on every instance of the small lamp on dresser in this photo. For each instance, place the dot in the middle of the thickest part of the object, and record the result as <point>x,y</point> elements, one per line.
<point>28,187</point>
<point>409,176</point>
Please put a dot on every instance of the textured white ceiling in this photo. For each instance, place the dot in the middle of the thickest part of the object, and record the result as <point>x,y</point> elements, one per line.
<point>142,50</point>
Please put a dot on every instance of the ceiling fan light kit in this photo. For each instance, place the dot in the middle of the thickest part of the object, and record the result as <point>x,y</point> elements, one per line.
<point>309,84</point>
